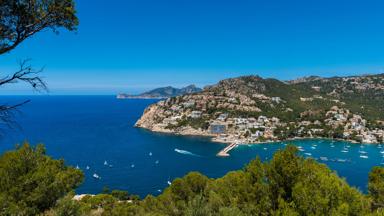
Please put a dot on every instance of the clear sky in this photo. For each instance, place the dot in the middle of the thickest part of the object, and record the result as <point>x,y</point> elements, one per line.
<point>134,45</point>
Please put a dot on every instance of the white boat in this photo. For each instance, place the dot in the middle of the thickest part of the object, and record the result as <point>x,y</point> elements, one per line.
<point>77,167</point>
<point>309,154</point>
<point>265,149</point>
<point>105,163</point>
<point>96,176</point>
<point>364,156</point>
<point>150,153</point>
<point>133,166</point>
<point>382,152</point>
<point>301,150</point>
<point>313,147</point>
<point>157,162</point>
<point>362,152</point>
<point>344,151</point>
<point>88,168</point>
<point>169,183</point>
<point>323,158</point>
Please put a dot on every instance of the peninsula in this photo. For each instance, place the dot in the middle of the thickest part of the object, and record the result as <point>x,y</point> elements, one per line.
<point>161,93</point>
<point>251,109</point>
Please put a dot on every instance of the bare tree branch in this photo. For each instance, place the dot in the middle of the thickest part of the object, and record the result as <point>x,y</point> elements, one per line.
<point>26,74</point>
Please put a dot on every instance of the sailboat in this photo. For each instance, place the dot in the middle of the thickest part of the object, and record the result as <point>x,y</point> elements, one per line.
<point>345,149</point>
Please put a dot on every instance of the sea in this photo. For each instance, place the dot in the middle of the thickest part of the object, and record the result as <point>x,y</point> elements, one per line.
<point>97,135</point>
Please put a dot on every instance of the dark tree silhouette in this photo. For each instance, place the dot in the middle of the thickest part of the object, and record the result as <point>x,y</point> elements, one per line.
<point>19,20</point>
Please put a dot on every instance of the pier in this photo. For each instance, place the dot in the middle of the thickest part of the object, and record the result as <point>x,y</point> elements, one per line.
<point>224,152</point>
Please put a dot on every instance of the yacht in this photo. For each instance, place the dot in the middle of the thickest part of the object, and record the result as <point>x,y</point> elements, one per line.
<point>96,176</point>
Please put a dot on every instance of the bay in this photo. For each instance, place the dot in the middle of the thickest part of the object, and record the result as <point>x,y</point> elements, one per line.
<point>97,132</point>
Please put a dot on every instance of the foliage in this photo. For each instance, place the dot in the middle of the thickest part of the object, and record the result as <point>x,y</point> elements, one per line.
<point>31,182</point>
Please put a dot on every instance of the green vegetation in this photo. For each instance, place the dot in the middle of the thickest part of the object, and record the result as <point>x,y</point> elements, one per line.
<point>32,183</point>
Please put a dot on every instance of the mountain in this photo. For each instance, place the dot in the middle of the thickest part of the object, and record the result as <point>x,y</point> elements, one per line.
<point>164,92</point>
<point>252,109</point>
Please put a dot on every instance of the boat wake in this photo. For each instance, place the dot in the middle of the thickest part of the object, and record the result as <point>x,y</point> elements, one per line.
<point>186,152</point>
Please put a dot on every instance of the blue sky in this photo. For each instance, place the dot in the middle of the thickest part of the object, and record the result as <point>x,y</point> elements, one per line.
<point>134,45</point>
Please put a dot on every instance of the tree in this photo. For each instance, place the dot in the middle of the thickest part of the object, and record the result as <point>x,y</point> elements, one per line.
<point>376,187</point>
<point>31,182</point>
<point>20,20</point>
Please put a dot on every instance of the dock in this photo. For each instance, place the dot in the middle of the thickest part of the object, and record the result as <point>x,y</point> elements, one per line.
<point>224,152</point>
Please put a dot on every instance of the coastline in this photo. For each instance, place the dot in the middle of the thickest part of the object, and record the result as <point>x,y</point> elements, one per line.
<point>231,144</point>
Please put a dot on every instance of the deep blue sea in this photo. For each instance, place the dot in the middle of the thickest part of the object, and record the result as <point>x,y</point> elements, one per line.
<point>89,130</point>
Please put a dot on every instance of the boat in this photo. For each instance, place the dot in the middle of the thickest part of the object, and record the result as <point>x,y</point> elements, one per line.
<point>313,147</point>
<point>265,149</point>
<point>309,154</point>
<point>77,167</point>
<point>87,168</point>
<point>382,152</point>
<point>150,153</point>
<point>323,158</point>
<point>364,156</point>
<point>96,176</point>
<point>341,160</point>
<point>105,163</point>
<point>169,183</point>
<point>157,162</point>
<point>363,152</point>
<point>133,166</point>
<point>345,150</point>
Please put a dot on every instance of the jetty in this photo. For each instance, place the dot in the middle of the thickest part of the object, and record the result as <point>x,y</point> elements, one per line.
<point>224,152</point>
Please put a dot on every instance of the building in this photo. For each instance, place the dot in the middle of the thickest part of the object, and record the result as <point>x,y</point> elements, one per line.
<point>196,114</point>
<point>217,128</point>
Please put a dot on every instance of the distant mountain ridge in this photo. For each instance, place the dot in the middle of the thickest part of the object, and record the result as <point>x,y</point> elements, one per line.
<point>164,92</point>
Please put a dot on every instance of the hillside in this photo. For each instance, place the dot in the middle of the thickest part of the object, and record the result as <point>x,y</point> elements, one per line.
<point>251,109</point>
<point>164,92</point>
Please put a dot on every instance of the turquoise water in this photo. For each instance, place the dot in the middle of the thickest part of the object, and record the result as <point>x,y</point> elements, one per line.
<point>89,130</point>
